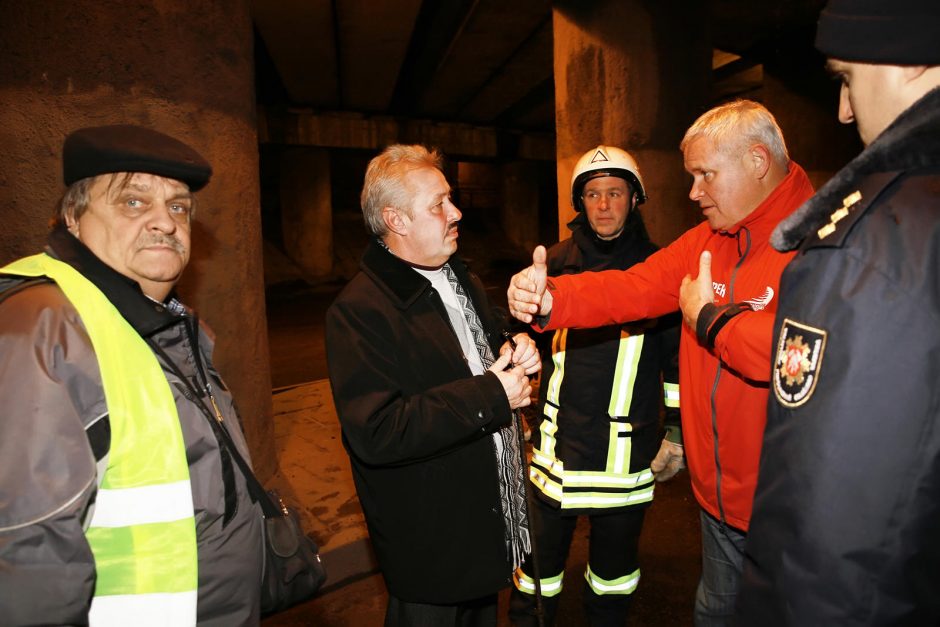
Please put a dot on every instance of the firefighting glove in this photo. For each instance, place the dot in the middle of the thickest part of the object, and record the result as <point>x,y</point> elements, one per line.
<point>668,461</point>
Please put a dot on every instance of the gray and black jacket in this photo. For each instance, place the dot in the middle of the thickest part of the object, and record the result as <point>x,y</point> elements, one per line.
<point>55,435</point>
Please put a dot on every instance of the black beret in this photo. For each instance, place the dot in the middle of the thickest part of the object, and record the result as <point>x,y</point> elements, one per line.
<point>126,148</point>
<point>888,32</point>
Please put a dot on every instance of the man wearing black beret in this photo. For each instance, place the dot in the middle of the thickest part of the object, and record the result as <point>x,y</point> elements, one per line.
<point>846,524</point>
<point>118,506</point>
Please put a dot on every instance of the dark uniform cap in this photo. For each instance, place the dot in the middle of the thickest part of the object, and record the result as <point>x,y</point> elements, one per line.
<point>889,32</point>
<point>126,148</point>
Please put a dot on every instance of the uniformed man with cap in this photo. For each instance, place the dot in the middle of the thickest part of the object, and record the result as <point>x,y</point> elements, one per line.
<point>847,507</point>
<point>599,405</point>
<point>117,504</point>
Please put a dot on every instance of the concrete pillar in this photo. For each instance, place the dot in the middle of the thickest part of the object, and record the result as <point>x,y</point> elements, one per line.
<point>183,67</point>
<point>307,209</point>
<point>815,138</point>
<point>520,215</point>
<point>633,74</point>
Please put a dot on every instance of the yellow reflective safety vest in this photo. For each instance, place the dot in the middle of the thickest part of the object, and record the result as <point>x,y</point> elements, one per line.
<point>142,532</point>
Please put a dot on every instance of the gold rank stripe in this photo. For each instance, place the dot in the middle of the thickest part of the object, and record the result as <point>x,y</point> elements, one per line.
<point>838,214</point>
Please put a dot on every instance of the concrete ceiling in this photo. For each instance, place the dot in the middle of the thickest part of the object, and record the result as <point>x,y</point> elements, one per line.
<point>480,62</point>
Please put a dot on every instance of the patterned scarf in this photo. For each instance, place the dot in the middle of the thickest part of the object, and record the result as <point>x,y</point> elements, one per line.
<point>505,444</point>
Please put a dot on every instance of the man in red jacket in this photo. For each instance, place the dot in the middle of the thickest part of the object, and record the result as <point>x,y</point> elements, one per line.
<point>745,183</point>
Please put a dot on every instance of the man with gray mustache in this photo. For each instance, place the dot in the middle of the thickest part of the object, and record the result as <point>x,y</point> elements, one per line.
<point>118,503</point>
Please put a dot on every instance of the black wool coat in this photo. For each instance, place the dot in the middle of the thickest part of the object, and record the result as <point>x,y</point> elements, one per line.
<point>417,426</point>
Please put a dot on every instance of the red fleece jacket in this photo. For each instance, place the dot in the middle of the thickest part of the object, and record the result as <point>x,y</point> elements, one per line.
<point>724,391</point>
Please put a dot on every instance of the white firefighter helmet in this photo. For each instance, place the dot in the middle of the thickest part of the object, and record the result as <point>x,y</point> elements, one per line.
<point>605,161</point>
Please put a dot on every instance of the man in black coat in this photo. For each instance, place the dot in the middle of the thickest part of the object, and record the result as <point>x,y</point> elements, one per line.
<point>847,508</point>
<point>425,388</point>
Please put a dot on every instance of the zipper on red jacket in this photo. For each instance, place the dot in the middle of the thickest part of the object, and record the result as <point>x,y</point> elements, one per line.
<point>734,274</point>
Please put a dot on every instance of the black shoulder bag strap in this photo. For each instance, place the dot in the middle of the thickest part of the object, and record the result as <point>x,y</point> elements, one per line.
<point>214,416</point>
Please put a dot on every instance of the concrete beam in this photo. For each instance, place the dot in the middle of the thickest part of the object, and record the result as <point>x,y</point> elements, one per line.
<point>300,35</point>
<point>373,43</point>
<point>352,130</point>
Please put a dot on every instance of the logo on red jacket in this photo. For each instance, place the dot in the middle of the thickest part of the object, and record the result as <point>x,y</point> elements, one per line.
<point>800,351</point>
<point>760,302</point>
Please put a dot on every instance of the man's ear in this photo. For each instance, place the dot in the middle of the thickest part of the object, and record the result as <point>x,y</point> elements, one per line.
<point>912,72</point>
<point>759,158</point>
<point>393,221</point>
<point>71,222</point>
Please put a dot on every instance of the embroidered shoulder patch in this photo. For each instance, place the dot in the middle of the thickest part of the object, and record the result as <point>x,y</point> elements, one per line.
<point>799,359</point>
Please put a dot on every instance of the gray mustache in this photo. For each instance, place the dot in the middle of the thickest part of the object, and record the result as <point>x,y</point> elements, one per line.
<point>162,240</point>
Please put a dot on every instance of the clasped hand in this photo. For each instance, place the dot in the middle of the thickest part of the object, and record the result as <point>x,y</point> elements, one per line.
<point>524,360</point>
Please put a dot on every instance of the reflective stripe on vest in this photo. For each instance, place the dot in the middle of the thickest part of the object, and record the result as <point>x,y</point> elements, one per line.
<point>156,609</point>
<point>617,486</point>
<point>671,393</point>
<point>550,586</point>
<point>142,532</point>
<point>622,585</point>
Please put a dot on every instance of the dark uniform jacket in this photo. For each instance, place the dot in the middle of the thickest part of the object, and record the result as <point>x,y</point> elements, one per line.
<point>846,525</point>
<point>582,388</point>
<point>55,426</point>
<point>417,425</point>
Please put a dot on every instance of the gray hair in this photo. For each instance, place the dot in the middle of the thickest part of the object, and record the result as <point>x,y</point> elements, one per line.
<point>737,125</point>
<point>385,185</point>
<point>74,201</point>
<point>77,196</point>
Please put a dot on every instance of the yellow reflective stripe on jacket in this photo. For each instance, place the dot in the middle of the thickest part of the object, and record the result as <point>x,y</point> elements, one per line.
<point>602,500</point>
<point>547,430</point>
<point>549,463</point>
<point>628,358</point>
<point>550,586</point>
<point>572,489</point>
<point>622,585</point>
<point>545,482</point>
<point>600,479</point>
<point>142,557</point>
<point>671,394</point>
<point>559,342</point>
<point>619,447</point>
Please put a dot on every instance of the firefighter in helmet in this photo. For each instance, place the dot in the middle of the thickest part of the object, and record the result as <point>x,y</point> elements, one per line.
<point>601,397</point>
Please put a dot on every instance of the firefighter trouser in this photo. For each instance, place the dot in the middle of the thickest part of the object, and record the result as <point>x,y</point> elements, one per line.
<point>612,571</point>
